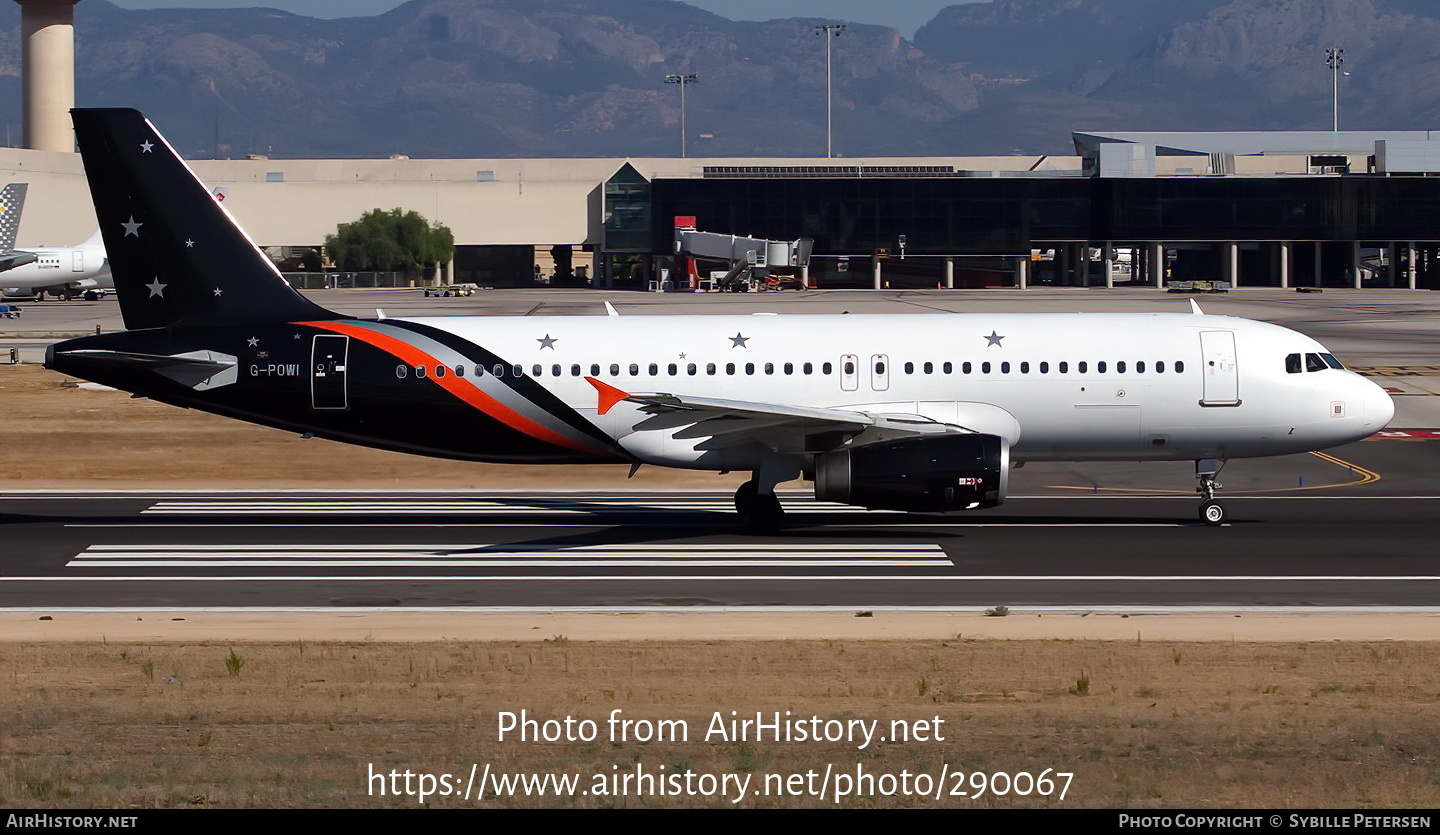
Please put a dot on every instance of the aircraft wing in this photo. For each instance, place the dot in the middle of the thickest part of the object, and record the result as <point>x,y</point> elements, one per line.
<point>722,423</point>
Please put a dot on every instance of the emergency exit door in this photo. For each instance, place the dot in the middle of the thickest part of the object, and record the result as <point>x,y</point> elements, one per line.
<point>328,355</point>
<point>1222,377</point>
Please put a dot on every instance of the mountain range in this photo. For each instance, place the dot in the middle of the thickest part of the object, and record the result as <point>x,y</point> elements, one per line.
<point>497,78</point>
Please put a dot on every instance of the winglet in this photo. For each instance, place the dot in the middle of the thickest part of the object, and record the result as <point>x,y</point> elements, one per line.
<point>610,310</point>
<point>609,395</point>
<point>1195,308</point>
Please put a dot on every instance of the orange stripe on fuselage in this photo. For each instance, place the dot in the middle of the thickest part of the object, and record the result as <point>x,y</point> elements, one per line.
<point>458,386</point>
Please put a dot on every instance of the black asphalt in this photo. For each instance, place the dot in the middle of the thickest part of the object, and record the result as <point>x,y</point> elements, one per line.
<point>1369,545</point>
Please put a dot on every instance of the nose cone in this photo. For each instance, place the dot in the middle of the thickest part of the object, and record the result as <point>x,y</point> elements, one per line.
<point>1379,408</point>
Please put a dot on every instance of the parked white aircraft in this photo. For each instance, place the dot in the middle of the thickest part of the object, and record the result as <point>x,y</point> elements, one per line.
<point>907,412</point>
<point>63,271</point>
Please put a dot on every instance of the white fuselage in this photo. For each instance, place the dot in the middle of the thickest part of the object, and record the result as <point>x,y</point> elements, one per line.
<point>82,267</point>
<point>1162,386</point>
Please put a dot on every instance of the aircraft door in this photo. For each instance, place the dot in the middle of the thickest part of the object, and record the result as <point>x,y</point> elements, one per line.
<point>328,355</point>
<point>77,262</point>
<point>1222,377</point>
<point>880,372</point>
<point>849,372</point>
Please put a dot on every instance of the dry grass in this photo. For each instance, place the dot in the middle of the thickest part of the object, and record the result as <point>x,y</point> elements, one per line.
<point>1163,724</point>
<point>59,436</point>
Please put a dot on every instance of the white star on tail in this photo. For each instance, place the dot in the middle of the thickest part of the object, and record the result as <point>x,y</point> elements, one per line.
<point>189,243</point>
<point>146,146</point>
<point>156,288</point>
<point>132,228</point>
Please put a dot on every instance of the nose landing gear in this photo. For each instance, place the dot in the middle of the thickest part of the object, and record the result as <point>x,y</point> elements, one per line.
<point>1212,512</point>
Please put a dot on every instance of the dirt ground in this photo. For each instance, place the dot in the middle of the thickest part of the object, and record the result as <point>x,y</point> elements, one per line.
<point>1139,725</point>
<point>54,434</point>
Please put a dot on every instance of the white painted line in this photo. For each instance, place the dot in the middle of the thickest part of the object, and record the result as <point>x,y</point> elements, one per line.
<point>431,547</point>
<point>1016,611</point>
<point>414,578</point>
<point>225,561</point>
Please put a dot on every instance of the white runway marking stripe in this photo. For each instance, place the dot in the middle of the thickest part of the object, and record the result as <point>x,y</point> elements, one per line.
<point>473,506</point>
<point>521,556</point>
<point>553,578</point>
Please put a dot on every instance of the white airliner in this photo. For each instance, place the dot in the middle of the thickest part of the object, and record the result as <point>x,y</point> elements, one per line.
<point>63,271</point>
<point>920,412</point>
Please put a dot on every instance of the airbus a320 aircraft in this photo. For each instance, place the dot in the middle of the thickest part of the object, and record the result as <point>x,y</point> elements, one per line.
<point>908,412</point>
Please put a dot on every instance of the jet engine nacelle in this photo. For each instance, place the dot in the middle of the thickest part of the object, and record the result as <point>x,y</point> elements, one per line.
<point>932,474</point>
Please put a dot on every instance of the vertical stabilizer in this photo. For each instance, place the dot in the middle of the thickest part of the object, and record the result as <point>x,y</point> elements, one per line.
<point>12,203</point>
<point>176,254</point>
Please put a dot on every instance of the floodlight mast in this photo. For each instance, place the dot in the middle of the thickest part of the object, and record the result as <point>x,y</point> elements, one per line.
<point>1335,59</point>
<point>829,31</point>
<point>682,81</point>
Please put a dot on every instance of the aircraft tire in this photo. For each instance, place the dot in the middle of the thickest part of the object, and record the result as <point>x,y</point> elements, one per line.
<point>1212,513</point>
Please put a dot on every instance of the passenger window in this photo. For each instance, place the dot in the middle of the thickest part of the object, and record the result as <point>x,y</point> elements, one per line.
<point>673,369</point>
<point>402,371</point>
<point>1140,367</point>
<point>537,370</point>
<point>710,368</point>
<point>1314,363</point>
<point>1331,361</point>
<point>1100,367</point>
<point>634,369</point>
<point>420,372</point>
<point>879,368</point>
<point>966,368</point>
<point>1044,368</point>
<point>654,370</point>
<point>479,371</point>
<point>1082,366</point>
<point>948,368</point>
<point>1120,367</point>
<point>749,368</point>
<point>984,368</point>
<point>575,371</point>
<point>614,369</point>
<point>459,371</point>
<point>1160,367</point>
<point>849,368</point>
<point>808,368</point>
<point>1024,368</point>
<point>1063,369</point>
<point>789,368</point>
<point>1005,368</point>
<point>594,369</point>
<point>730,368</point>
<point>769,368</point>
<point>439,371</point>
<point>690,369</point>
<point>929,368</point>
<point>1179,367</point>
<point>826,368</point>
<point>499,370</point>
<point>555,370</point>
<point>518,371</point>
<point>909,368</point>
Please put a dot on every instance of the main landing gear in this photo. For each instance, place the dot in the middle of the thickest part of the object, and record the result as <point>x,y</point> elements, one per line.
<point>759,512</point>
<point>1212,512</point>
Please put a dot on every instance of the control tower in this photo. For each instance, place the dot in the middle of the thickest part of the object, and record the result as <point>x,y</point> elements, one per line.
<point>47,48</point>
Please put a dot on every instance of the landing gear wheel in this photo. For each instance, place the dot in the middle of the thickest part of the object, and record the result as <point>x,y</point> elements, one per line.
<point>759,514</point>
<point>1212,513</point>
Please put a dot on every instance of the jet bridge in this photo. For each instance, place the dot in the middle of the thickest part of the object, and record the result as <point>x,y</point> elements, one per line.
<point>749,259</point>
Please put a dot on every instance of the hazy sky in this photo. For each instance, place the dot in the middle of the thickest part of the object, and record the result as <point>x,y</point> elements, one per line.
<point>905,15</point>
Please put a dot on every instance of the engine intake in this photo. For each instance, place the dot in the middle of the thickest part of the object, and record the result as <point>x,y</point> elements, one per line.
<point>950,472</point>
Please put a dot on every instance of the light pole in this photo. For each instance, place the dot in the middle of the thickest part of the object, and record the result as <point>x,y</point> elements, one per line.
<point>828,31</point>
<point>1335,59</point>
<point>682,81</point>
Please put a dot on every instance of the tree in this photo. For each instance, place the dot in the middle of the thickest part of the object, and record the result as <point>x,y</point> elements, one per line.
<point>390,241</point>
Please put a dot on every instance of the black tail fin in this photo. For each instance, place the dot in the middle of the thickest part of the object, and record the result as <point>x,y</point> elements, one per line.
<point>176,254</point>
<point>12,203</point>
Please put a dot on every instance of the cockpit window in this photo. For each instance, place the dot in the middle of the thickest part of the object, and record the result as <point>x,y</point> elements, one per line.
<point>1292,364</point>
<point>1331,361</point>
<point>1314,363</point>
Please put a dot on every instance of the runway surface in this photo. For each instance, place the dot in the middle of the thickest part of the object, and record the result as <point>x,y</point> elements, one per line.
<point>633,550</point>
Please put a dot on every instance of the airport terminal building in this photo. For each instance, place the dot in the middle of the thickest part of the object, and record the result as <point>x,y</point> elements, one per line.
<point>1277,209</point>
